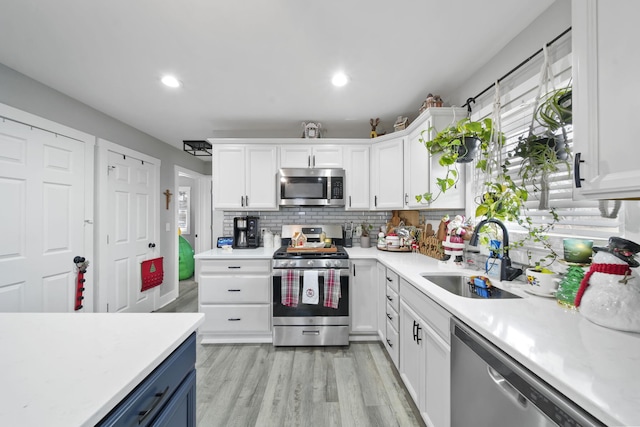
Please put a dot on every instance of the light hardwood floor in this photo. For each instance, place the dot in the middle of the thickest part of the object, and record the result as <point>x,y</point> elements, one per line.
<point>260,385</point>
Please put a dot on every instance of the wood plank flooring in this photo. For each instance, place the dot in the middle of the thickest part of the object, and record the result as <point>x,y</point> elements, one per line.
<point>247,385</point>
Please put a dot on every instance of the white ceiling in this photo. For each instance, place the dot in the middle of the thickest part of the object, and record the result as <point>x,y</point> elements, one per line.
<point>252,67</point>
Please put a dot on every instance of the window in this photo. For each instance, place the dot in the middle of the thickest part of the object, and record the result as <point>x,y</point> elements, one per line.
<point>184,209</point>
<point>577,218</point>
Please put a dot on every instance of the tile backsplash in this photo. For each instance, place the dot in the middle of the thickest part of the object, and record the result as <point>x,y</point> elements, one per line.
<point>273,220</point>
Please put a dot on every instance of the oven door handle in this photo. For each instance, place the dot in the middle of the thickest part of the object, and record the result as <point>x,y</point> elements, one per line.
<point>344,272</point>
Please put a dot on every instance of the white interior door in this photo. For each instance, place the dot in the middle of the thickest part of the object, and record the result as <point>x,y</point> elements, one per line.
<point>132,204</point>
<point>42,222</point>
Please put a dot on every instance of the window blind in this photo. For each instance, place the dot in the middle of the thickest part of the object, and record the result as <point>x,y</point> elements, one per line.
<point>577,218</point>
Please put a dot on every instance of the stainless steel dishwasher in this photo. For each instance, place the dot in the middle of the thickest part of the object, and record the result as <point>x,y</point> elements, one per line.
<point>489,388</point>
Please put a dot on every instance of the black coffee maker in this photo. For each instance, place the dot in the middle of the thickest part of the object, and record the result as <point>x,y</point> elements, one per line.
<point>246,234</point>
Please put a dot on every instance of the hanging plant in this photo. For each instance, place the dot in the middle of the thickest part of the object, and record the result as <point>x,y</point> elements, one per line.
<point>458,143</point>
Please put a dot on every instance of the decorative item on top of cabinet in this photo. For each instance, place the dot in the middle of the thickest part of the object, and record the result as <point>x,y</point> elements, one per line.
<point>401,123</point>
<point>311,129</point>
<point>431,102</point>
<point>374,124</point>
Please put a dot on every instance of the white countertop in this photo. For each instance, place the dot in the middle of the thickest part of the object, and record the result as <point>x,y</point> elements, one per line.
<point>71,369</point>
<point>596,367</point>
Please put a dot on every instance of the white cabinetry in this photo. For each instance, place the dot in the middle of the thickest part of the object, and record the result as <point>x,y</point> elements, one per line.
<point>244,177</point>
<point>605,66</point>
<point>425,354</point>
<point>356,165</point>
<point>311,156</point>
<point>421,169</point>
<point>386,175</point>
<point>363,297</point>
<point>389,318</point>
<point>235,296</point>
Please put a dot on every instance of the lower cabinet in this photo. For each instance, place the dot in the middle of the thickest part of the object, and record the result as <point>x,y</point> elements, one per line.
<point>167,397</point>
<point>235,297</point>
<point>363,297</point>
<point>389,306</point>
<point>425,354</point>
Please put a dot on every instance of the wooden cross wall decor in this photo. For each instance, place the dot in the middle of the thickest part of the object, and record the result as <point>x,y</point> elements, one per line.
<point>168,195</point>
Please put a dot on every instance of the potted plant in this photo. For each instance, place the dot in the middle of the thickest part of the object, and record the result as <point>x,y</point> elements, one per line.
<point>458,143</point>
<point>365,236</point>
<point>555,111</point>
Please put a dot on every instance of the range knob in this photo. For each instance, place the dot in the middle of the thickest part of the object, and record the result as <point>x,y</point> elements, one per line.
<point>310,263</point>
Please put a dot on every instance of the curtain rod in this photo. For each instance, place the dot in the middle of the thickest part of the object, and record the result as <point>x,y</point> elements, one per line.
<point>513,70</point>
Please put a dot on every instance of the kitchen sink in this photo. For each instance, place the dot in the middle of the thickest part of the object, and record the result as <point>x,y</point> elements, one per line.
<point>459,285</point>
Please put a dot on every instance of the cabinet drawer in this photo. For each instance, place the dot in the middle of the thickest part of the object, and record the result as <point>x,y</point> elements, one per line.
<point>436,316</point>
<point>393,299</point>
<point>237,289</point>
<point>148,399</point>
<point>392,343</point>
<point>239,266</point>
<point>236,318</point>
<point>392,315</point>
<point>393,280</point>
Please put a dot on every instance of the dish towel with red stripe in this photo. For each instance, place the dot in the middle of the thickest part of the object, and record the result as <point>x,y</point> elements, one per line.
<point>332,292</point>
<point>290,287</point>
<point>310,287</point>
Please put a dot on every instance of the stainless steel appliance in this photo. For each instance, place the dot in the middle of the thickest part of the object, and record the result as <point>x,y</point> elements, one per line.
<point>347,235</point>
<point>246,233</point>
<point>489,388</point>
<point>311,187</point>
<point>311,324</point>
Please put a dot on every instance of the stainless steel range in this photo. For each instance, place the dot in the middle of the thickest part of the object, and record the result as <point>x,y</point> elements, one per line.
<point>311,289</point>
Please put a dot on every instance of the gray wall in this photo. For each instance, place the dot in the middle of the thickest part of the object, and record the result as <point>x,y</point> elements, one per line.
<point>550,24</point>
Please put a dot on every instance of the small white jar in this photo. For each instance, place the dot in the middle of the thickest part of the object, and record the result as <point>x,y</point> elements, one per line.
<point>393,241</point>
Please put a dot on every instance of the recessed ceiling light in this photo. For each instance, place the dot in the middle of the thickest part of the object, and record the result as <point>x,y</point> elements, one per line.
<point>171,81</point>
<point>340,79</point>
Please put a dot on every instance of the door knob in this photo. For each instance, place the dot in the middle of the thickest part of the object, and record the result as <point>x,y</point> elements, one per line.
<point>152,245</point>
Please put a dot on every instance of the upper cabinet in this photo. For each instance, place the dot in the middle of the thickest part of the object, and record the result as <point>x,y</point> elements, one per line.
<point>356,168</point>
<point>244,177</point>
<point>311,156</point>
<point>421,169</point>
<point>387,174</point>
<point>604,87</point>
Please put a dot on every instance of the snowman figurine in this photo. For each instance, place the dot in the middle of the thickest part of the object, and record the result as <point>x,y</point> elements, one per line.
<point>609,293</point>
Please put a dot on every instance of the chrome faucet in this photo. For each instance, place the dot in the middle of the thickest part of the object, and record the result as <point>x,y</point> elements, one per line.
<point>506,271</point>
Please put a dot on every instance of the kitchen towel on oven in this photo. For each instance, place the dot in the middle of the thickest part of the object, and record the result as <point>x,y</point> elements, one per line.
<point>290,287</point>
<point>332,288</point>
<point>310,287</point>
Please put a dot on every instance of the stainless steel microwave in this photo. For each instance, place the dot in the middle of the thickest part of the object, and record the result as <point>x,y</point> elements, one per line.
<point>311,187</point>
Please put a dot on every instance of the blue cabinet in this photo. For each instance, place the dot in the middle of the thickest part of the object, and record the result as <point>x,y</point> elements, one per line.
<point>165,398</point>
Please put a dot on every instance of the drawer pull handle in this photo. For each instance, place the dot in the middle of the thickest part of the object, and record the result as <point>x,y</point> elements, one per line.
<point>234,267</point>
<point>310,332</point>
<point>389,298</point>
<point>389,279</point>
<point>233,290</point>
<point>389,316</point>
<point>389,342</point>
<point>234,319</point>
<point>158,398</point>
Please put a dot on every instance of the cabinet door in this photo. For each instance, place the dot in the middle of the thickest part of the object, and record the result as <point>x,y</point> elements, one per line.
<point>180,410</point>
<point>364,304</point>
<point>260,169</point>
<point>357,177</point>
<point>416,167</point>
<point>437,382</point>
<point>387,175</point>
<point>326,157</point>
<point>411,352</point>
<point>605,76</point>
<point>381,276</point>
<point>228,172</point>
<point>422,170</point>
<point>295,156</point>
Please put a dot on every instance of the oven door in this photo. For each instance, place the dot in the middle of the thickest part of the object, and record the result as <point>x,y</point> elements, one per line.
<point>285,315</point>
